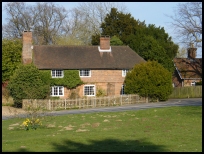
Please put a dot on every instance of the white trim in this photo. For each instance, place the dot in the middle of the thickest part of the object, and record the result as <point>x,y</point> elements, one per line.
<point>124,72</point>
<point>193,83</point>
<point>101,50</point>
<point>94,87</point>
<point>85,76</point>
<point>55,74</point>
<point>52,90</point>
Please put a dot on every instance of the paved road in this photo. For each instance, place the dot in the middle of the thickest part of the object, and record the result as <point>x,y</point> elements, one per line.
<point>171,102</point>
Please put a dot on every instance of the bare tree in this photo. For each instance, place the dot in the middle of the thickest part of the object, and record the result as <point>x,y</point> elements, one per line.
<point>187,23</point>
<point>50,22</point>
<point>19,19</point>
<point>44,19</point>
<point>87,17</point>
<point>182,53</point>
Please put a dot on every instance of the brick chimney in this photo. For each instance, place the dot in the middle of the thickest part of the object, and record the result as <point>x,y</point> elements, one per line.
<point>27,47</point>
<point>105,42</point>
<point>192,52</point>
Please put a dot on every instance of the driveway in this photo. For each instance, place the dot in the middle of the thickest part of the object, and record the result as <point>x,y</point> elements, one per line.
<point>170,102</point>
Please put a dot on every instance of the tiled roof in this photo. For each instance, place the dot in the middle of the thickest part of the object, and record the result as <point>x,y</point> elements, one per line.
<point>188,68</point>
<point>84,57</point>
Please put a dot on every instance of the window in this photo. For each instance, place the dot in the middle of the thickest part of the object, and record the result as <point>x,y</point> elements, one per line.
<point>122,91</point>
<point>89,90</point>
<point>57,73</point>
<point>84,73</point>
<point>124,72</point>
<point>193,83</point>
<point>57,91</point>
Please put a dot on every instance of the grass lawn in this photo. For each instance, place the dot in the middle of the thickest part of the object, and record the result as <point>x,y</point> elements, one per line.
<point>170,129</point>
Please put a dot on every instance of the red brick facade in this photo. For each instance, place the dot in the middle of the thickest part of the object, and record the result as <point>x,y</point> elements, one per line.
<point>110,81</point>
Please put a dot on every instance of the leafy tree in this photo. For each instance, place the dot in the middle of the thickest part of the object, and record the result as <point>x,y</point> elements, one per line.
<point>11,57</point>
<point>150,49</point>
<point>27,83</point>
<point>162,38</point>
<point>149,79</point>
<point>115,41</point>
<point>119,24</point>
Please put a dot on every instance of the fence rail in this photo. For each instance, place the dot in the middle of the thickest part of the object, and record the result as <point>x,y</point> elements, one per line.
<point>93,102</point>
<point>82,103</point>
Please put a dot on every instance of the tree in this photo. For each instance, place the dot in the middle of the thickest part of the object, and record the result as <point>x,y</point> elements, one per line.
<point>149,79</point>
<point>85,19</point>
<point>182,53</point>
<point>162,38</point>
<point>187,22</point>
<point>119,24</point>
<point>115,41</point>
<point>149,49</point>
<point>27,83</point>
<point>44,19</point>
<point>11,57</point>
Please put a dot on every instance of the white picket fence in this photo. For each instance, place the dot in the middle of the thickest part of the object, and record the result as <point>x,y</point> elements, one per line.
<point>82,103</point>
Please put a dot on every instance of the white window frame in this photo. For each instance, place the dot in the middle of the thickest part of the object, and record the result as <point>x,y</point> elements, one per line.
<point>83,72</point>
<point>124,72</point>
<point>193,83</point>
<point>54,73</point>
<point>94,90</point>
<point>53,88</point>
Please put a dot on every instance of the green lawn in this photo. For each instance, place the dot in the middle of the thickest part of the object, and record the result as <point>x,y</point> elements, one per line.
<point>170,129</point>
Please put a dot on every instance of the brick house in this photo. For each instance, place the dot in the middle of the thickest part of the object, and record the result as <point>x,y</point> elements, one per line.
<point>100,67</point>
<point>188,70</point>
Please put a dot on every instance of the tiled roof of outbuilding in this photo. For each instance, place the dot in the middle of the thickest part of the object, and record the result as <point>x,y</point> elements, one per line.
<point>189,68</point>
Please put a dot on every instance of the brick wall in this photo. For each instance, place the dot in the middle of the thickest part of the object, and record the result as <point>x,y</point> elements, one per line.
<point>109,80</point>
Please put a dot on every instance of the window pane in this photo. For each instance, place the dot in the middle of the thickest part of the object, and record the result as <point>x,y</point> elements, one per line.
<point>84,72</point>
<point>53,73</point>
<point>89,90</point>
<point>57,73</point>
<point>55,91</point>
<point>60,90</point>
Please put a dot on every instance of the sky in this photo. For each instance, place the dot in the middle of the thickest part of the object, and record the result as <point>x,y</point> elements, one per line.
<point>150,12</point>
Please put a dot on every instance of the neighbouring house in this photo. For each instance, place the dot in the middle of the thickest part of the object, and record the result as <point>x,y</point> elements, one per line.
<point>188,70</point>
<point>100,67</point>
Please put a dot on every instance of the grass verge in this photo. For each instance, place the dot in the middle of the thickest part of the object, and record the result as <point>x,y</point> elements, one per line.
<point>170,129</point>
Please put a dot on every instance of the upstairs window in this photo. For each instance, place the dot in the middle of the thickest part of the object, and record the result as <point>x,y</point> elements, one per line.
<point>57,73</point>
<point>124,72</point>
<point>85,73</point>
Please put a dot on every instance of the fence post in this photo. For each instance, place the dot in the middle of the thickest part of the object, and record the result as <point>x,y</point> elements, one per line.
<point>65,105</point>
<point>121,100</point>
<point>49,105</point>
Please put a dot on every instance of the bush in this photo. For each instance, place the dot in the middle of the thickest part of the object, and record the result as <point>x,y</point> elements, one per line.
<point>149,79</point>
<point>27,83</point>
<point>198,83</point>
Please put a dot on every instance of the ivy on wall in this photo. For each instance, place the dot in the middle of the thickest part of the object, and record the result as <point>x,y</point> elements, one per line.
<point>70,80</point>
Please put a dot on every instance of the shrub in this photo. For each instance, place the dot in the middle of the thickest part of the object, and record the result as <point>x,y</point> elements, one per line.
<point>149,79</point>
<point>27,83</point>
